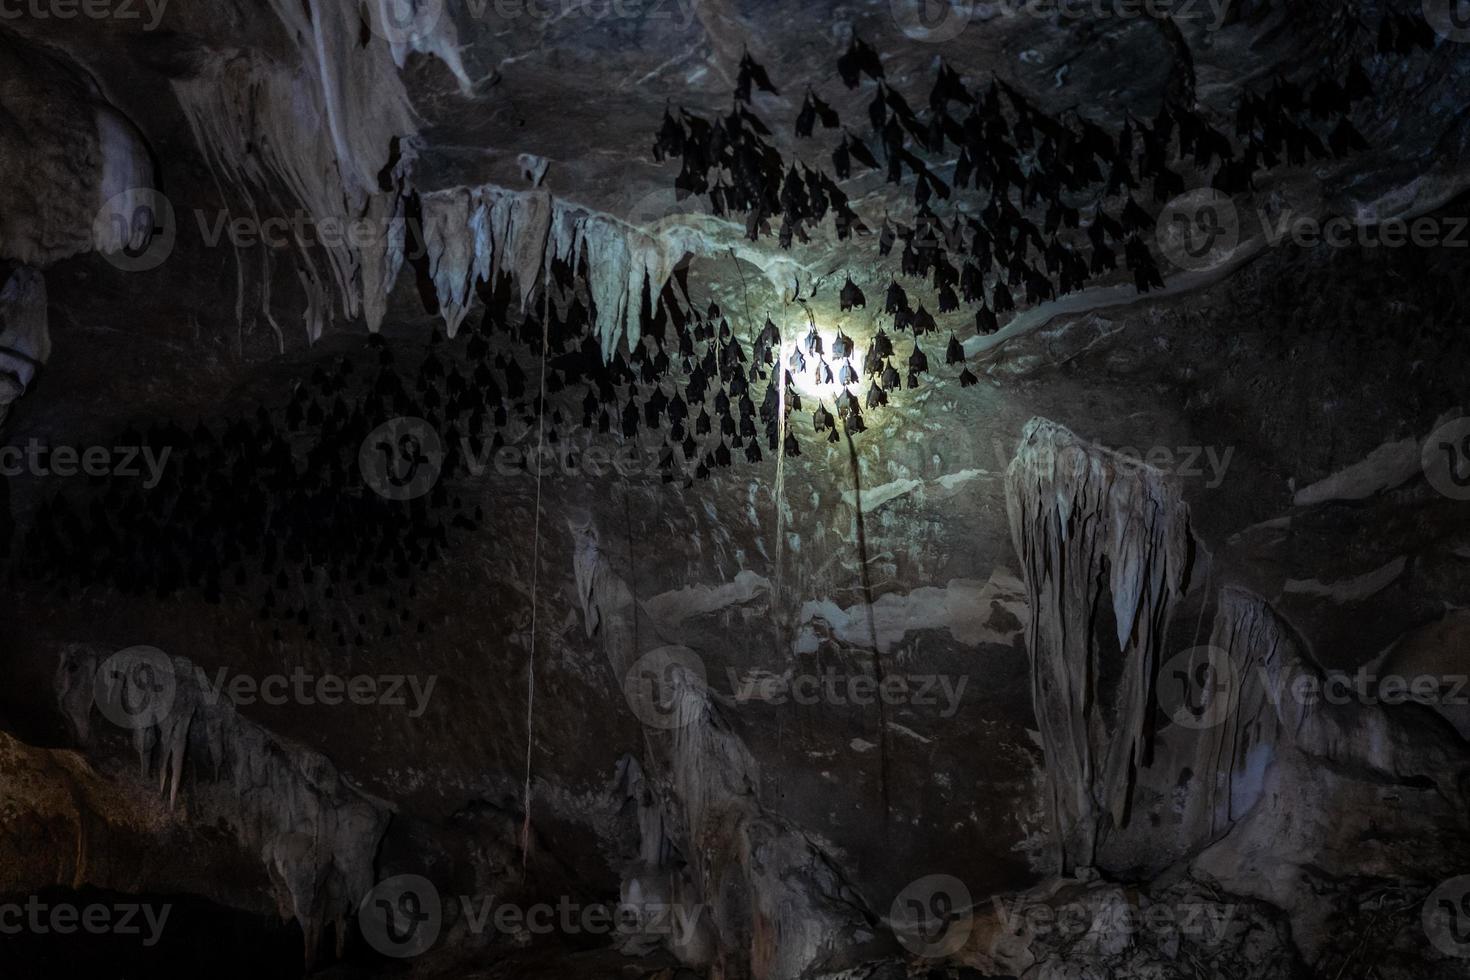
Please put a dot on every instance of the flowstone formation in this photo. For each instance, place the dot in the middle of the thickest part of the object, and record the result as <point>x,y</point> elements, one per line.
<point>315,834</point>
<point>1102,544</point>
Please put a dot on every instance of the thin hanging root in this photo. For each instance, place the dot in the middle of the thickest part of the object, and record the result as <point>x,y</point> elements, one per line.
<point>867,580</point>
<point>780,488</point>
<point>536,559</point>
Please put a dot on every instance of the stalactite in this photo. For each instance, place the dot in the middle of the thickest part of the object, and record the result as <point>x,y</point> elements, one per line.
<point>325,130</point>
<point>1087,523</point>
<point>260,125</point>
<point>315,834</point>
<point>474,233</point>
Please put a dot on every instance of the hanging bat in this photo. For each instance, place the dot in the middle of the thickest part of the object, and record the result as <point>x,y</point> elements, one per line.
<point>954,353</point>
<point>948,301</point>
<point>750,72</point>
<point>985,322</point>
<point>1346,139</point>
<point>860,59</point>
<point>948,87</point>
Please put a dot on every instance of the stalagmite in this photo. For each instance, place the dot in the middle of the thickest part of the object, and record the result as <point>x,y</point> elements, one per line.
<point>1284,702</point>
<point>777,906</point>
<point>781,907</point>
<point>315,834</point>
<point>25,342</point>
<point>1095,533</point>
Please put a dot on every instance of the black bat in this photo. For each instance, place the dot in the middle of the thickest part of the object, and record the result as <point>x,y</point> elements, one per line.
<point>948,87</point>
<point>985,322</point>
<point>859,60</point>
<point>923,322</point>
<point>1358,87</point>
<point>812,109</point>
<point>750,72</point>
<point>1328,99</point>
<point>1346,139</point>
<point>918,361</point>
<point>861,153</point>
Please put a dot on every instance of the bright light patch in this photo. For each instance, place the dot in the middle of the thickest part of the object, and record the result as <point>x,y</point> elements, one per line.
<point>809,369</point>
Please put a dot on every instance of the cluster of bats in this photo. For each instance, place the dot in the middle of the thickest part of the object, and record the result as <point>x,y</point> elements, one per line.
<point>1026,243</point>
<point>278,498</point>
<point>749,175</point>
<point>274,506</point>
